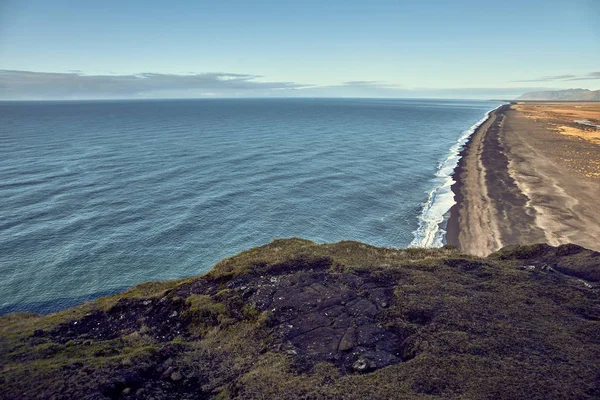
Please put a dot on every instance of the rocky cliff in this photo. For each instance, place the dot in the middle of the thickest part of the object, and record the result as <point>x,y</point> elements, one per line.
<point>294,319</point>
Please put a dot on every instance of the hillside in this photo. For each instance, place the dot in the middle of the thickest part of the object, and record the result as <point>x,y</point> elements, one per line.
<point>294,319</point>
<point>563,95</point>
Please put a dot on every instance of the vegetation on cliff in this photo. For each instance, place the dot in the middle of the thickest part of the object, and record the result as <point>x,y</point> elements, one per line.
<point>294,319</point>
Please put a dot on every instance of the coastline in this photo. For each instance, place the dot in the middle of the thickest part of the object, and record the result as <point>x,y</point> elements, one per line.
<point>452,224</point>
<point>465,228</point>
<point>520,181</point>
<point>434,215</point>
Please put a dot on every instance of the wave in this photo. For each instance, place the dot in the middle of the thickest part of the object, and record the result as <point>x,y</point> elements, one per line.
<point>434,215</point>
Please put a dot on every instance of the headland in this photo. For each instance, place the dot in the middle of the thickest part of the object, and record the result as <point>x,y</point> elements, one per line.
<point>298,320</point>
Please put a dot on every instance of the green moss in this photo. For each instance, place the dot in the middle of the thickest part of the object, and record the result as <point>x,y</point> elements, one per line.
<point>339,256</point>
<point>205,314</point>
<point>223,394</point>
<point>250,312</point>
<point>202,304</point>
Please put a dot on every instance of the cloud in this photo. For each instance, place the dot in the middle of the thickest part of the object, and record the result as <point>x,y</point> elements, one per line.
<point>354,89</point>
<point>368,84</point>
<point>74,84</point>
<point>374,91</point>
<point>566,77</point>
<point>549,78</point>
<point>29,85</point>
<point>478,92</point>
<point>591,75</point>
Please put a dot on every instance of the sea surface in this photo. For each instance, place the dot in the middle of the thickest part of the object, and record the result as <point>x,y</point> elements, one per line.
<point>98,196</point>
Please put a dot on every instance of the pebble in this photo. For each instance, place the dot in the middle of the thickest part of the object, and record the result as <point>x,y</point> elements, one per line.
<point>176,376</point>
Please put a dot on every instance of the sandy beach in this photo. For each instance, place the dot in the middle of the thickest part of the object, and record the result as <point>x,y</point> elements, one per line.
<point>529,174</point>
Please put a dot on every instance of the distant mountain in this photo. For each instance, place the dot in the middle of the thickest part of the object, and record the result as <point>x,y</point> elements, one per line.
<point>563,95</point>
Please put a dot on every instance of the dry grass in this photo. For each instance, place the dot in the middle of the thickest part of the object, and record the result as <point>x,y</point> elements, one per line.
<point>591,135</point>
<point>560,118</point>
<point>560,111</point>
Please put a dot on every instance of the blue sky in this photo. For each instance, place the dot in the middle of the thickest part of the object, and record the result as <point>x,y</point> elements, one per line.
<point>425,48</point>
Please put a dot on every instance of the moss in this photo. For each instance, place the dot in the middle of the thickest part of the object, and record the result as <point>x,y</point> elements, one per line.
<point>223,394</point>
<point>205,313</point>
<point>250,312</point>
<point>265,318</point>
<point>203,304</point>
<point>282,253</point>
<point>522,252</point>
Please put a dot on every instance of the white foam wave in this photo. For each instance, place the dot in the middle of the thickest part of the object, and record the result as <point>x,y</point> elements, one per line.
<point>434,215</point>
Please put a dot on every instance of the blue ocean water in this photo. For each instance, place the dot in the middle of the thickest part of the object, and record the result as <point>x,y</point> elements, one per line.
<point>99,196</point>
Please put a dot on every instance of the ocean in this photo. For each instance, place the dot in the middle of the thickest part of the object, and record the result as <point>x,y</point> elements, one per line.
<point>97,196</point>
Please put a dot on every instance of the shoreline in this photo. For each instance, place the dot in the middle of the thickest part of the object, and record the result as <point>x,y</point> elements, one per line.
<point>520,180</point>
<point>433,219</point>
<point>452,225</point>
<point>474,205</point>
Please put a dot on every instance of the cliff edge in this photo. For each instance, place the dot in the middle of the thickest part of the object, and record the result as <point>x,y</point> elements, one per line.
<point>294,319</point>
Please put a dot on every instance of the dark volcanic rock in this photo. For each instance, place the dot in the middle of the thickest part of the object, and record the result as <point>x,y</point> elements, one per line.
<point>329,317</point>
<point>316,316</point>
<point>162,318</point>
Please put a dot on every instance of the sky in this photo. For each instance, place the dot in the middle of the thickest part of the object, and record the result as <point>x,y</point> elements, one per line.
<point>63,49</point>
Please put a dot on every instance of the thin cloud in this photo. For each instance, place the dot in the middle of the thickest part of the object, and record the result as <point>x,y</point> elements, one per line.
<point>549,78</point>
<point>368,84</point>
<point>485,93</point>
<point>566,77</point>
<point>591,75</point>
<point>30,85</point>
<point>74,84</point>
<point>478,92</point>
<point>358,88</point>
